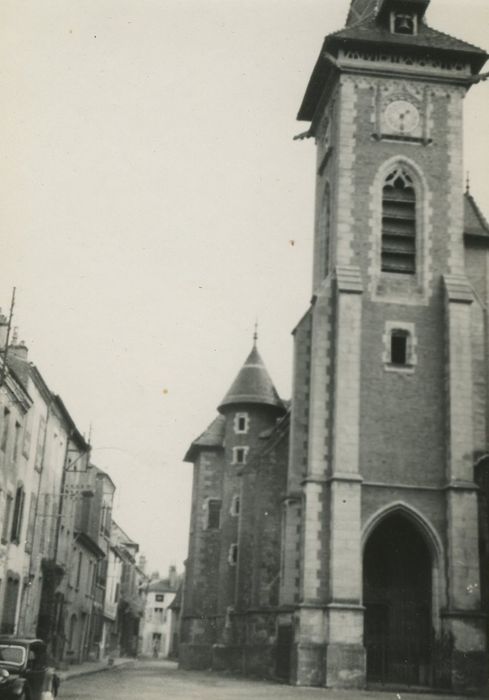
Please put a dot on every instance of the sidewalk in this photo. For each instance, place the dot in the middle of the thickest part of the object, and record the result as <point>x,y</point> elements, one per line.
<point>90,667</point>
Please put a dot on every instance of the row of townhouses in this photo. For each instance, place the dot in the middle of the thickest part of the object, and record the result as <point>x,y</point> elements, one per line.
<point>68,573</point>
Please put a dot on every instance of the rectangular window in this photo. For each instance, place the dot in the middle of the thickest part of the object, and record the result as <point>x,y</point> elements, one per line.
<point>159,598</point>
<point>239,455</point>
<point>233,555</point>
<point>235,504</point>
<point>31,523</point>
<point>79,569</point>
<point>40,443</point>
<point>5,426</point>
<point>44,524</point>
<point>17,434</point>
<point>26,441</point>
<point>213,514</point>
<point>10,605</point>
<point>6,517</point>
<point>399,348</point>
<point>241,423</point>
<point>18,514</point>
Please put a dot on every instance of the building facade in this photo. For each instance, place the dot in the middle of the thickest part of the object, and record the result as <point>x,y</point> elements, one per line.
<point>158,624</point>
<point>365,505</point>
<point>132,594</point>
<point>61,570</point>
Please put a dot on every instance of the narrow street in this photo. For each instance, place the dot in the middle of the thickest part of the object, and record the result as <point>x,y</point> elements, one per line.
<point>148,680</point>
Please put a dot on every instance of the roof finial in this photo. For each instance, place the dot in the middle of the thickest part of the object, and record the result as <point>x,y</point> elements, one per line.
<point>255,334</point>
<point>467,182</point>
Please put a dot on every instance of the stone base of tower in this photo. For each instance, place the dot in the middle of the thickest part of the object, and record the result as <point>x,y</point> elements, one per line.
<point>227,657</point>
<point>256,660</point>
<point>329,665</point>
<point>345,666</point>
<point>328,651</point>
<point>464,649</point>
<point>196,657</point>
<point>308,667</point>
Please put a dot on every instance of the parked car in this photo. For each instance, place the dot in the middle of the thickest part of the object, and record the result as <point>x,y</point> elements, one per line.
<point>24,670</point>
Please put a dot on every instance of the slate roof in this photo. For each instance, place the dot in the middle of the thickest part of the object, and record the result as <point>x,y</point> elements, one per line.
<point>426,38</point>
<point>360,10</point>
<point>213,436</point>
<point>162,585</point>
<point>253,385</point>
<point>371,33</point>
<point>475,223</point>
<point>176,603</point>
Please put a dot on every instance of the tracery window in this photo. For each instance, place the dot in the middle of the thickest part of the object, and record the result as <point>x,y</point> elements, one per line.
<point>399,223</point>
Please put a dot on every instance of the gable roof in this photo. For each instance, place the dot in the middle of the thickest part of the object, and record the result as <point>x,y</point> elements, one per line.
<point>253,385</point>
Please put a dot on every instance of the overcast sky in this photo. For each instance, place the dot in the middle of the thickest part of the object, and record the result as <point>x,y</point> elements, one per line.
<point>153,204</point>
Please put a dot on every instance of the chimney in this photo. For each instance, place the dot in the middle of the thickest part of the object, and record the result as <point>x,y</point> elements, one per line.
<point>17,357</point>
<point>172,576</point>
<point>3,330</point>
<point>19,350</point>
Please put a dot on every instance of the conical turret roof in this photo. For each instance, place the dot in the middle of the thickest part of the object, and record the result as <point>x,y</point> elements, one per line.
<point>252,385</point>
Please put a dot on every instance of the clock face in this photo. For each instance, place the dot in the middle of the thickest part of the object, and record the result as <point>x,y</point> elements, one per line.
<point>402,116</point>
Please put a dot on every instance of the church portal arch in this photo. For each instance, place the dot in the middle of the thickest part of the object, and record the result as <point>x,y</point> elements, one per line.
<point>401,557</point>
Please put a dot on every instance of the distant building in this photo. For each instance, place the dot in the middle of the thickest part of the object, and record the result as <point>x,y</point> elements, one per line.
<point>132,596</point>
<point>158,625</point>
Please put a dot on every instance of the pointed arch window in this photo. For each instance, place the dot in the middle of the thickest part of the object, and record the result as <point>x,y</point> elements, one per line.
<point>399,223</point>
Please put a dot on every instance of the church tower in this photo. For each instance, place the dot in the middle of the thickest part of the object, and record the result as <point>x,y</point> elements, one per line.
<point>389,415</point>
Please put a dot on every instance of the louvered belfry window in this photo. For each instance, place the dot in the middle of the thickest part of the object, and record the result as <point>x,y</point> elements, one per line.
<point>399,224</point>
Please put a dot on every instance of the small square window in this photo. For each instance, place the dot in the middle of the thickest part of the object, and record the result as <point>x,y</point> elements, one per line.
<point>241,423</point>
<point>400,347</point>
<point>239,455</point>
<point>159,598</point>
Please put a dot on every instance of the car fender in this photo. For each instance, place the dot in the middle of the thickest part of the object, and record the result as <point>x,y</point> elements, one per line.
<point>18,686</point>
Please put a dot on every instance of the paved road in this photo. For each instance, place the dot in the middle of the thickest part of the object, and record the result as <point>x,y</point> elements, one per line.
<point>151,680</point>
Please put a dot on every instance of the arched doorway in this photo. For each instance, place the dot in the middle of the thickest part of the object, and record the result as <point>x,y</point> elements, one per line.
<point>397,594</point>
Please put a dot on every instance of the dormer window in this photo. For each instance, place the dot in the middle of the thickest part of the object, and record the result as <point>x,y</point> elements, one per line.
<point>404,23</point>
